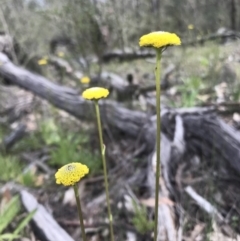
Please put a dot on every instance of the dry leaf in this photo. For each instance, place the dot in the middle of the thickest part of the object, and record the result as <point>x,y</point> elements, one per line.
<point>203,98</point>
<point>150,202</point>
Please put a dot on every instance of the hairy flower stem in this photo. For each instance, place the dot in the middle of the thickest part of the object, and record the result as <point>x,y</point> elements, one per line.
<point>102,147</point>
<point>158,106</point>
<point>79,211</point>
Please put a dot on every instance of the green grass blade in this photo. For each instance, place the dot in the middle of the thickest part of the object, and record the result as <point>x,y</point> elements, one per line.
<point>24,222</point>
<point>8,236</point>
<point>10,210</point>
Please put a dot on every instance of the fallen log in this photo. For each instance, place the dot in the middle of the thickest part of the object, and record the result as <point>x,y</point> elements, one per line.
<point>189,133</point>
<point>222,34</point>
<point>124,88</point>
<point>127,55</point>
<point>70,100</point>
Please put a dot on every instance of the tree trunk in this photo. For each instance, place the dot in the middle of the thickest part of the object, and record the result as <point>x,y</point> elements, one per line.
<point>233,13</point>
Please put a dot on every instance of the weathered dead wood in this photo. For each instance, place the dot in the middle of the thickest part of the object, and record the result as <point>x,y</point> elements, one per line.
<point>6,43</point>
<point>46,227</point>
<point>187,133</point>
<point>127,55</point>
<point>65,67</point>
<point>212,211</point>
<point>125,90</point>
<point>109,80</point>
<point>222,35</point>
<point>68,99</point>
<point>15,103</point>
<point>164,81</point>
<point>169,227</point>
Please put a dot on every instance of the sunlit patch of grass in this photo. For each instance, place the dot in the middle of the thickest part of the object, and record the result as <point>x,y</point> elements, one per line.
<point>10,167</point>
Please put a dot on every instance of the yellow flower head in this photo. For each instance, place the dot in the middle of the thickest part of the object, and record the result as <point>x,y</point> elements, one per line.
<point>85,80</point>
<point>60,54</point>
<point>42,61</point>
<point>95,93</point>
<point>159,39</point>
<point>190,27</point>
<point>71,173</point>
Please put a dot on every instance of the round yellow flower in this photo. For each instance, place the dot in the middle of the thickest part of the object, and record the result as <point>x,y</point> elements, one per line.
<point>60,54</point>
<point>190,26</point>
<point>159,39</point>
<point>85,80</point>
<point>95,93</point>
<point>42,62</point>
<point>71,173</point>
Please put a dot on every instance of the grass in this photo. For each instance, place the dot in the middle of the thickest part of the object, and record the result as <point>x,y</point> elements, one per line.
<point>140,220</point>
<point>69,146</point>
<point>8,213</point>
<point>71,149</point>
<point>189,92</point>
<point>10,167</point>
<point>12,170</point>
<point>65,144</point>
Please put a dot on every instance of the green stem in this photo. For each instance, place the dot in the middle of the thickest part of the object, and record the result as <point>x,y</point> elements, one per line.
<point>102,146</point>
<point>158,106</point>
<point>79,211</point>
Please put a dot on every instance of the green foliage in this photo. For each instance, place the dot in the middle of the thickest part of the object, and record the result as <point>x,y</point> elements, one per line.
<point>50,132</point>
<point>2,132</point>
<point>236,92</point>
<point>31,142</point>
<point>28,179</point>
<point>66,147</point>
<point>24,222</point>
<point>235,221</point>
<point>70,150</point>
<point>7,214</point>
<point>8,236</point>
<point>70,147</point>
<point>10,167</point>
<point>189,91</point>
<point>140,219</point>
<point>9,211</point>
<point>12,170</point>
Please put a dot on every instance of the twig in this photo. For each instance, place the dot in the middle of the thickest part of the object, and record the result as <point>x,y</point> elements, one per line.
<point>204,204</point>
<point>210,209</point>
